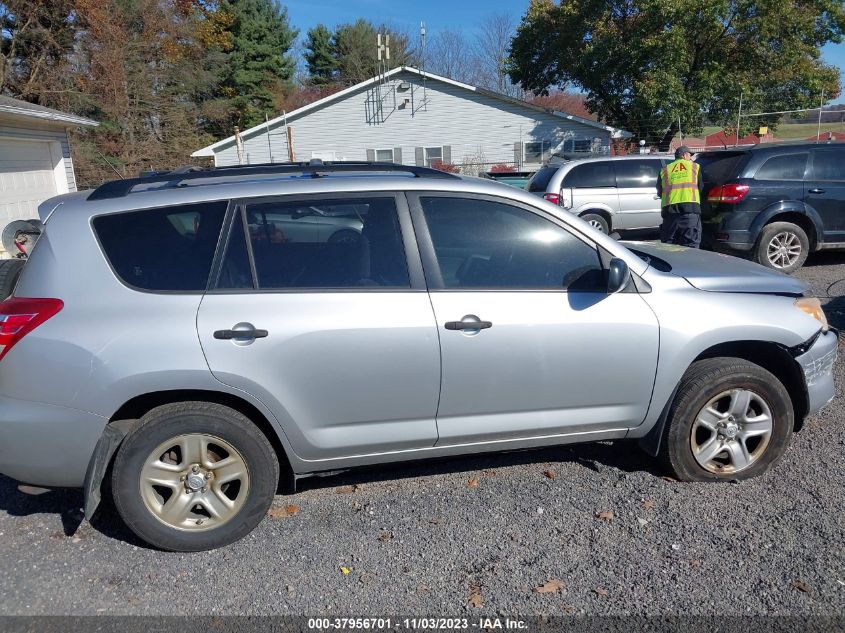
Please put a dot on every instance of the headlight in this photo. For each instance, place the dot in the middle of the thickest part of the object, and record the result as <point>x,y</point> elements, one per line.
<point>813,307</point>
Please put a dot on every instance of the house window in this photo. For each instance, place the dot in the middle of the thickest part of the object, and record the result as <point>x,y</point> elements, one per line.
<point>384,155</point>
<point>433,155</point>
<point>536,151</point>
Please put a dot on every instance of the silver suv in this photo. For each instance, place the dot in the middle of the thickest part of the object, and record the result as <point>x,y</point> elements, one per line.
<point>609,193</point>
<point>175,338</point>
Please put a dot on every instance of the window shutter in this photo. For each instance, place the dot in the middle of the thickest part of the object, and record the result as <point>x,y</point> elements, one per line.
<point>371,155</point>
<point>419,157</point>
<point>517,154</point>
<point>397,155</point>
<point>447,154</point>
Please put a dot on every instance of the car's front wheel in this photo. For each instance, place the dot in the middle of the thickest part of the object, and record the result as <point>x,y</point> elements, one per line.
<point>194,476</point>
<point>731,419</point>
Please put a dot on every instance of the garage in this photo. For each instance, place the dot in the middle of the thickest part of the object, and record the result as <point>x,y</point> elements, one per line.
<point>27,177</point>
<point>35,160</point>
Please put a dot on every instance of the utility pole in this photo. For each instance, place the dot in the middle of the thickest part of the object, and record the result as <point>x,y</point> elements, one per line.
<point>738,118</point>
<point>680,133</point>
<point>819,129</point>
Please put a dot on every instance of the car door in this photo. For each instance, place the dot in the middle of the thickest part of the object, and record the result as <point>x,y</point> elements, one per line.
<point>531,343</point>
<point>636,182</point>
<point>824,190</point>
<point>591,186</point>
<point>337,338</point>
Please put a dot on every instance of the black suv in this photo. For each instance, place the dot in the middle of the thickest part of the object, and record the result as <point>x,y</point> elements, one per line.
<point>776,203</point>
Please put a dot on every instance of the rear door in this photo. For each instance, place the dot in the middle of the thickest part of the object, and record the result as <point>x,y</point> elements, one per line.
<point>636,182</point>
<point>593,187</point>
<point>824,190</point>
<point>552,352</point>
<point>337,338</point>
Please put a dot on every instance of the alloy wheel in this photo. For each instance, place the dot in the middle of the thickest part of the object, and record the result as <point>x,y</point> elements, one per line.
<point>731,432</point>
<point>783,250</point>
<point>194,482</point>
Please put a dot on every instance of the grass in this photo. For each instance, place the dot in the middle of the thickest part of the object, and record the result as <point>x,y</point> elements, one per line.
<point>793,131</point>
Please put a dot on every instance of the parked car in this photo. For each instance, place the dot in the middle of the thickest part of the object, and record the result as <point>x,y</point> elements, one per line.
<point>160,336</point>
<point>775,202</point>
<point>609,193</point>
<point>514,178</point>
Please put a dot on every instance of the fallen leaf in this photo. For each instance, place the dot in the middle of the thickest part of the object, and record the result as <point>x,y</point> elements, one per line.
<point>434,521</point>
<point>606,515</point>
<point>490,473</point>
<point>550,474</point>
<point>476,601</point>
<point>801,586</point>
<point>668,478</point>
<point>345,490</point>
<point>551,586</point>
<point>695,563</point>
<point>284,511</point>
<point>385,536</point>
<point>472,483</point>
<point>601,591</point>
<point>648,504</point>
<point>345,570</point>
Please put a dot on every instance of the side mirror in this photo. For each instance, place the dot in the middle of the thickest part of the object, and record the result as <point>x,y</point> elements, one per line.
<point>618,275</point>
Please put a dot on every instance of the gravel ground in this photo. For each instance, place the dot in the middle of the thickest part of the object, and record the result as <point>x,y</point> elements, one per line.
<point>476,536</point>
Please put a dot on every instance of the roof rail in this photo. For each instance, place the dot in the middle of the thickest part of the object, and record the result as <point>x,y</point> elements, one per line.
<point>314,168</point>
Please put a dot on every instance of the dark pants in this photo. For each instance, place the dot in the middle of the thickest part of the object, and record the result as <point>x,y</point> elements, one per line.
<point>683,229</point>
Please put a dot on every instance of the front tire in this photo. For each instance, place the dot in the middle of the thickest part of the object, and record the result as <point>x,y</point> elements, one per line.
<point>194,476</point>
<point>783,246</point>
<point>730,420</point>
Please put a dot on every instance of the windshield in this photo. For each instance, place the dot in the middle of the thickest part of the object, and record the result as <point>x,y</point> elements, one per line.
<point>541,179</point>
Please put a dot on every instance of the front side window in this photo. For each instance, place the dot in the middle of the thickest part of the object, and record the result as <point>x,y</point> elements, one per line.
<point>165,249</point>
<point>637,173</point>
<point>789,167</point>
<point>482,244</point>
<point>591,175</point>
<point>433,155</point>
<point>344,243</point>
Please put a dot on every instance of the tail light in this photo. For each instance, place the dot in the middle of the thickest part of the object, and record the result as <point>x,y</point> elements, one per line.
<point>20,315</point>
<point>554,198</point>
<point>728,194</point>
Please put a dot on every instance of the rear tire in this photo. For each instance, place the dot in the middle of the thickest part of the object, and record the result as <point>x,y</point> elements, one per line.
<point>10,270</point>
<point>194,476</point>
<point>783,246</point>
<point>597,222</point>
<point>730,420</point>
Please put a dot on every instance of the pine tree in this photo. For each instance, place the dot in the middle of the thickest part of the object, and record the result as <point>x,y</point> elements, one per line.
<point>322,65</point>
<point>259,64</point>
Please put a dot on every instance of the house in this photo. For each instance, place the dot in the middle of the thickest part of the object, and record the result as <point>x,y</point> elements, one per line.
<point>723,138</point>
<point>412,117</point>
<point>35,161</point>
<point>828,136</point>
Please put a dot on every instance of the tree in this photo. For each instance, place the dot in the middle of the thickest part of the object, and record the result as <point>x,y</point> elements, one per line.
<point>450,55</point>
<point>258,66</point>
<point>492,46</point>
<point>318,55</point>
<point>354,49</point>
<point>646,63</point>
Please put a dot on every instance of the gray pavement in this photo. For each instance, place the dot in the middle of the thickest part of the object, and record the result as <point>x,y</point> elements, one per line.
<point>476,535</point>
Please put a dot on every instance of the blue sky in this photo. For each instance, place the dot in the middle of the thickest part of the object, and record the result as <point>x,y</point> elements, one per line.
<point>463,15</point>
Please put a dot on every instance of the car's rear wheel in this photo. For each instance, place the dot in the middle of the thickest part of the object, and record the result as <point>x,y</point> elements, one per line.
<point>194,476</point>
<point>731,419</point>
<point>596,221</point>
<point>783,246</point>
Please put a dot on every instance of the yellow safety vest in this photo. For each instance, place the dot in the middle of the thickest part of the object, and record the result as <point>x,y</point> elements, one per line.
<point>679,183</point>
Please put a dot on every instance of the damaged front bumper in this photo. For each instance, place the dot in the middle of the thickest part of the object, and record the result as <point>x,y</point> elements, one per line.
<point>816,359</point>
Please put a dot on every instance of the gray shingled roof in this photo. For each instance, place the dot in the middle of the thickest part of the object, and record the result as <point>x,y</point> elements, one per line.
<point>24,108</point>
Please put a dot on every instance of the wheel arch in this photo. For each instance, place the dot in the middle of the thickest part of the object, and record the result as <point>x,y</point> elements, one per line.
<point>605,213</point>
<point>799,215</point>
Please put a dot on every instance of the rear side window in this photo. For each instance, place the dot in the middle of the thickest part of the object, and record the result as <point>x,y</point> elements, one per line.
<point>316,244</point>
<point>717,168</point>
<point>598,174</point>
<point>637,173</point>
<point>540,180</point>
<point>166,249</point>
<point>828,164</point>
<point>788,167</point>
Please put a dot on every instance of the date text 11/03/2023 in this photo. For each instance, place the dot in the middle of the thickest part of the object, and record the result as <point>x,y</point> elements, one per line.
<point>424,623</point>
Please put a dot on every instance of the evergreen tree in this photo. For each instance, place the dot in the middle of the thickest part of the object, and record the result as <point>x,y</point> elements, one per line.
<point>354,48</point>
<point>259,64</point>
<point>322,65</point>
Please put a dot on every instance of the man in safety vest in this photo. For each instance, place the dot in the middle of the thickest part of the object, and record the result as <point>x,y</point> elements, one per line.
<point>679,187</point>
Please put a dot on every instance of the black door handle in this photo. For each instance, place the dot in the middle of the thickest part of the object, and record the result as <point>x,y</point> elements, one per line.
<point>230,334</point>
<point>815,191</point>
<point>468,325</point>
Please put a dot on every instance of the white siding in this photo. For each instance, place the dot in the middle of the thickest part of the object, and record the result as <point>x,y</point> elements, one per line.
<point>13,130</point>
<point>471,124</point>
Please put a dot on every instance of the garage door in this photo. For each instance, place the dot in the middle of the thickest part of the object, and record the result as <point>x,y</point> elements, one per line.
<point>26,178</point>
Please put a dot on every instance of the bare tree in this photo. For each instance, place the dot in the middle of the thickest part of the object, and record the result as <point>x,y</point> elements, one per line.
<point>449,54</point>
<point>493,44</point>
